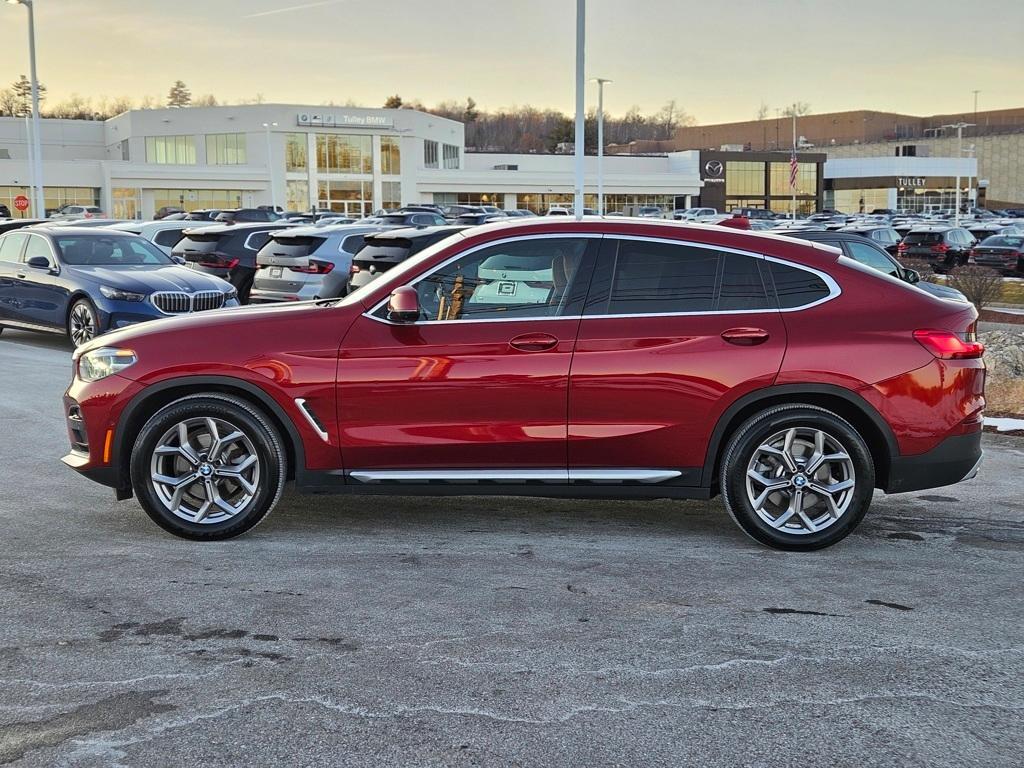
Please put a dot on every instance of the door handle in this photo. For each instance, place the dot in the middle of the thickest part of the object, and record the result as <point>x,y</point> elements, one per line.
<point>745,337</point>
<point>534,342</point>
<point>21,275</point>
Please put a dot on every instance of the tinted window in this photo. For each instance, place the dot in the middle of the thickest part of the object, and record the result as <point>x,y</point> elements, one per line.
<point>1004,241</point>
<point>652,278</point>
<point>257,240</point>
<point>37,246</point>
<point>796,287</point>
<point>870,257</point>
<point>353,243</point>
<point>742,286</point>
<point>923,238</point>
<point>167,237</point>
<point>108,250</point>
<point>528,278</point>
<point>10,247</point>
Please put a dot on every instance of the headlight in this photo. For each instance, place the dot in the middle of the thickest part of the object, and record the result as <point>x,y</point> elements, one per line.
<point>230,294</point>
<point>118,295</point>
<point>105,361</point>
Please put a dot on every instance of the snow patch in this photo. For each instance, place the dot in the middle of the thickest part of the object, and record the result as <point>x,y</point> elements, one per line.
<point>1005,425</point>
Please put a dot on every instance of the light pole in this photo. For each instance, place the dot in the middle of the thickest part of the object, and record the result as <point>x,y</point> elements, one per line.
<point>581,37</point>
<point>270,166</point>
<point>970,152</point>
<point>959,158</point>
<point>600,141</point>
<point>37,152</point>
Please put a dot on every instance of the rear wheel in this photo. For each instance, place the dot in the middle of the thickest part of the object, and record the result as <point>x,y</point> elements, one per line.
<point>83,323</point>
<point>208,467</point>
<point>797,477</point>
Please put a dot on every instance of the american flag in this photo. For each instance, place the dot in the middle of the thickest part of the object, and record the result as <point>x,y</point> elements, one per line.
<point>792,170</point>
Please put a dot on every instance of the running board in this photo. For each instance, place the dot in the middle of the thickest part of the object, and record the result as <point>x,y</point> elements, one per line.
<point>504,476</point>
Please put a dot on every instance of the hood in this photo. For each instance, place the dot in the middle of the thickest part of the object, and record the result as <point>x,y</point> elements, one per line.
<point>149,278</point>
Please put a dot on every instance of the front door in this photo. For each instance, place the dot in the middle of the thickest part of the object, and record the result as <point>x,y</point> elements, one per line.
<point>11,246</point>
<point>672,333</point>
<point>43,296</point>
<point>480,381</point>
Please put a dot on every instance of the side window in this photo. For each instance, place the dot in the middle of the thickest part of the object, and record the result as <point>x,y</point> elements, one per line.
<point>37,246</point>
<point>10,247</point>
<point>742,287</point>
<point>352,244</point>
<point>654,278</point>
<point>257,240</point>
<point>520,279</point>
<point>870,257</point>
<point>796,287</point>
<point>168,238</point>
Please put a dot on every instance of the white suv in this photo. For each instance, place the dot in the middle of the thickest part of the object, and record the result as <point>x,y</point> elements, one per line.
<point>75,212</point>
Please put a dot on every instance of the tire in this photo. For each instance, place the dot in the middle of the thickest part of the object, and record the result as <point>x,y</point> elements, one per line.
<point>83,324</point>
<point>759,446</point>
<point>244,491</point>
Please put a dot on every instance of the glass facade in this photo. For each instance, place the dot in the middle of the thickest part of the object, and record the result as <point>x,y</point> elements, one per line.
<point>171,150</point>
<point>126,203</point>
<point>430,154</point>
<point>297,195</point>
<point>451,156</point>
<point>340,153</point>
<point>391,193</point>
<point>390,156</point>
<point>806,179</point>
<point>54,198</point>
<point>744,178</point>
<point>225,149</point>
<point>353,197</point>
<point>191,199</point>
<point>295,152</point>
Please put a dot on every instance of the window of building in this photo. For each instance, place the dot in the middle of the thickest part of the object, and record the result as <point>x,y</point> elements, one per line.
<point>744,178</point>
<point>225,149</point>
<point>429,154</point>
<point>126,202</point>
<point>295,152</point>
<point>392,194</point>
<point>297,195</point>
<point>125,152</point>
<point>796,287</point>
<point>341,153</point>
<point>524,279</point>
<point>806,179</point>
<point>451,155</point>
<point>193,199</point>
<point>349,197</point>
<point>171,150</point>
<point>390,156</point>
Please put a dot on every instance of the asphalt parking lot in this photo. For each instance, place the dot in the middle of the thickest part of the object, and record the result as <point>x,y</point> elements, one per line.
<point>459,632</point>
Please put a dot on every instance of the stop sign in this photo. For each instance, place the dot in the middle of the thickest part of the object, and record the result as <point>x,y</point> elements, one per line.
<point>21,203</point>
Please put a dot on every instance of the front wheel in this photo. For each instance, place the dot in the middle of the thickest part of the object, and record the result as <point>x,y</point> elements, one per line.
<point>208,467</point>
<point>797,477</point>
<point>83,324</point>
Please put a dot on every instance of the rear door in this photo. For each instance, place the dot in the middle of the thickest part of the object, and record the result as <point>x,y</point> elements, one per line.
<point>672,333</point>
<point>11,246</point>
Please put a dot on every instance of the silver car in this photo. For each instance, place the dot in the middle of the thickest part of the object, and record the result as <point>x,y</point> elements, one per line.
<point>307,263</point>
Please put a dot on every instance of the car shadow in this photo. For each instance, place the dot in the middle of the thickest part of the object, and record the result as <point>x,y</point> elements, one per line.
<point>57,342</point>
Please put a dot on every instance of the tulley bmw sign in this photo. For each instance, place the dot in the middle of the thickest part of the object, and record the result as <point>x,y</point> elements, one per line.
<point>344,121</point>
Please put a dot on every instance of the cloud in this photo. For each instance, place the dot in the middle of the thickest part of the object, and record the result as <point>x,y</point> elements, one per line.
<point>292,8</point>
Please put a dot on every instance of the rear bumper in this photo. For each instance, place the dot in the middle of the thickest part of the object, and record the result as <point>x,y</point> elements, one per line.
<point>954,459</point>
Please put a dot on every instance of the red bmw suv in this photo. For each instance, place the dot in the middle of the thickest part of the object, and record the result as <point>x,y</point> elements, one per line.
<point>595,358</point>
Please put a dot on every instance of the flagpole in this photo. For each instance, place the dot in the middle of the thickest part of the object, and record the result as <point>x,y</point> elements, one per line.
<point>793,185</point>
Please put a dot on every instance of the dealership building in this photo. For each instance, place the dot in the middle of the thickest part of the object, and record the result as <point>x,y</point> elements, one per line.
<point>350,160</point>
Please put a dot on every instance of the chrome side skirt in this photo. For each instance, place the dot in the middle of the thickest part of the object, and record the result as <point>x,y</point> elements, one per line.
<point>555,476</point>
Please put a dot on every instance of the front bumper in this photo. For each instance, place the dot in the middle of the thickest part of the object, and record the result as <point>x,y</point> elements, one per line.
<point>955,459</point>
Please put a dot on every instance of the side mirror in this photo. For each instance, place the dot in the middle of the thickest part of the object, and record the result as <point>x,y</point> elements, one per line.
<point>912,276</point>
<point>39,262</point>
<point>404,305</point>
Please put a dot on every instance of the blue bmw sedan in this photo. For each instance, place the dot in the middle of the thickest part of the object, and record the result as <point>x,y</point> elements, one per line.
<point>84,282</point>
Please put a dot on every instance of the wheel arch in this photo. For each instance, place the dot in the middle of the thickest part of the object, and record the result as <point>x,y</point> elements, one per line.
<point>156,396</point>
<point>843,402</point>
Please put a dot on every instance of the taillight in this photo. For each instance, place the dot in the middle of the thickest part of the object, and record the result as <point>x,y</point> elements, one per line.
<point>947,345</point>
<point>902,247</point>
<point>354,269</point>
<point>315,267</point>
<point>940,248</point>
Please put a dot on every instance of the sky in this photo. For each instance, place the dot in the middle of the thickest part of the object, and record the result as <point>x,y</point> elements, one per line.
<point>718,59</point>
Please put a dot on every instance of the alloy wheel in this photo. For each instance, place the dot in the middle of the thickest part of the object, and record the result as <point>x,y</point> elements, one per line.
<point>800,480</point>
<point>205,470</point>
<point>82,324</point>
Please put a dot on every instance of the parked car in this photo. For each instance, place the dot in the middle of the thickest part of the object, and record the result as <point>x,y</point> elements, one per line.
<point>1004,253</point>
<point>886,237</point>
<point>85,281</point>
<point>693,214</point>
<point>245,215</point>
<point>558,211</point>
<point>164,234</point>
<point>979,231</point>
<point>870,253</point>
<point>944,246</point>
<point>650,212</point>
<point>521,213</point>
<point>307,263</point>
<point>227,251</point>
<point>385,250</point>
<point>203,214</point>
<point>760,366</point>
<point>77,223</point>
<point>754,213</point>
<point>7,226</point>
<point>475,219</point>
<point>5,212</point>
<point>167,210</point>
<point>413,219</point>
<point>75,212</point>
<point>454,211</point>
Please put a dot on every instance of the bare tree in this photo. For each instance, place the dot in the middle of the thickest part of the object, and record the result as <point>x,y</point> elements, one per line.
<point>798,108</point>
<point>393,102</point>
<point>762,111</point>
<point>980,285</point>
<point>206,100</point>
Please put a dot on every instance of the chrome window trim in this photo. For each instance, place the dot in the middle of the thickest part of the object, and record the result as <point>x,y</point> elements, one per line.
<point>834,290</point>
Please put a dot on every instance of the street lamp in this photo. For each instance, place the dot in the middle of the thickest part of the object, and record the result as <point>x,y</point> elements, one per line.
<point>37,152</point>
<point>959,158</point>
<point>270,167</point>
<point>581,37</point>
<point>600,141</point>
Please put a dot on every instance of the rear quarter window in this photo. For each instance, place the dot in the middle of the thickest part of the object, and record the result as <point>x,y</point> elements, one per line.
<point>796,287</point>
<point>352,243</point>
<point>167,237</point>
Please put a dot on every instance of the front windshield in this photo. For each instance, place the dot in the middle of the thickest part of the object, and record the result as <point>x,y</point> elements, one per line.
<point>109,251</point>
